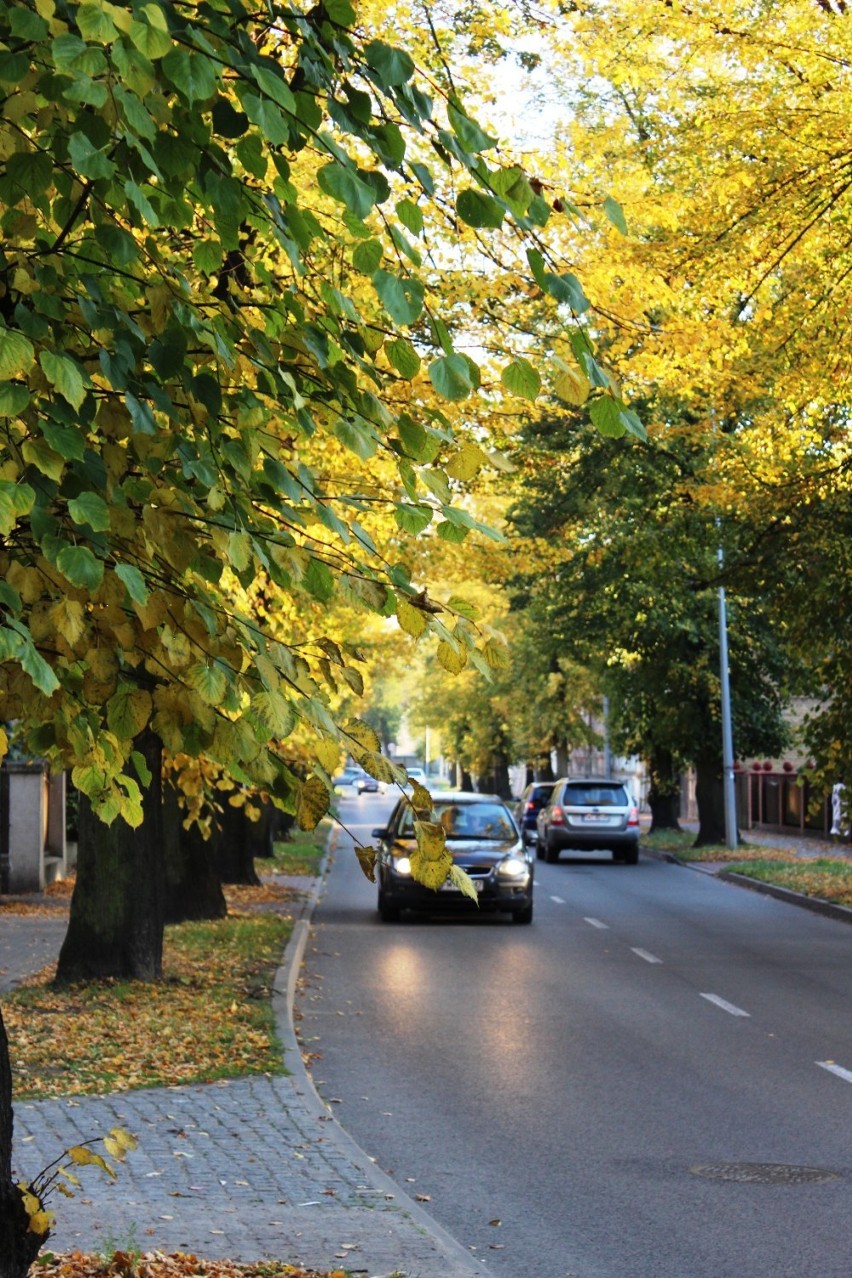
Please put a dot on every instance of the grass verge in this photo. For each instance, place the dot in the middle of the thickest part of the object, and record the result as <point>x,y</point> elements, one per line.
<point>823,877</point>
<point>299,855</point>
<point>210,1017</point>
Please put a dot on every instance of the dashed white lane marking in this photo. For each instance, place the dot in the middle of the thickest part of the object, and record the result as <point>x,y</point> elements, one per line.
<point>725,1006</point>
<point>845,1074</point>
<point>643,954</point>
<point>558,899</point>
<point>597,923</point>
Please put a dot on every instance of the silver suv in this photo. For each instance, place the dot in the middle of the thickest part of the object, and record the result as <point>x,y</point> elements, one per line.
<point>589,814</point>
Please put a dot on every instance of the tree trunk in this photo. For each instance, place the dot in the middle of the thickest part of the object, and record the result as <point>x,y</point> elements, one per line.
<point>544,770</point>
<point>502,784</point>
<point>19,1246</point>
<point>464,779</point>
<point>193,886</point>
<point>709,795</point>
<point>664,791</point>
<point>237,841</point>
<point>116,923</point>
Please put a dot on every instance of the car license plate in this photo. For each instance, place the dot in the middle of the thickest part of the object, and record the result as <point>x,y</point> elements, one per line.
<point>449,886</point>
<point>595,818</point>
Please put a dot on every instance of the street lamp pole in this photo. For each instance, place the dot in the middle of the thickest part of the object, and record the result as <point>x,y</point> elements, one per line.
<point>728,787</point>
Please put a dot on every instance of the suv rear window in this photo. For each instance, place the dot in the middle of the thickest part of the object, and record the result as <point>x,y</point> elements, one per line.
<point>597,796</point>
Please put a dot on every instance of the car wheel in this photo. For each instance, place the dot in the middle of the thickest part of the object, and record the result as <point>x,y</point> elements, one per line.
<point>632,857</point>
<point>551,854</point>
<point>539,849</point>
<point>523,916</point>
<point>388,913</point>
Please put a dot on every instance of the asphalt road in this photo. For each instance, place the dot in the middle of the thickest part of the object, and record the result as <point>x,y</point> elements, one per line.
<point>654,1080</point>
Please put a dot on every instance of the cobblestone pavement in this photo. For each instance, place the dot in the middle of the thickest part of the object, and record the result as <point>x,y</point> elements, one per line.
<point>246,1169</point>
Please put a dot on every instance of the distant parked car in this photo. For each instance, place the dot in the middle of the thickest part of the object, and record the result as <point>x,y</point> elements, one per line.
<point>589,814</point>
<point>484,841</point>
<point>528,807</point>
<point>357,778</point>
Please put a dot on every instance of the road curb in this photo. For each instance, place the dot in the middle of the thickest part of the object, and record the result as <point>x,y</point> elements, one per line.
<point>828,909</point>
<point>813,903</point>
<point>455,1261</point>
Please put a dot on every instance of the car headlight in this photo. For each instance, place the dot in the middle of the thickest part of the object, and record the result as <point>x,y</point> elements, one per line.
<point>513,867</point>
<point>402,865</point>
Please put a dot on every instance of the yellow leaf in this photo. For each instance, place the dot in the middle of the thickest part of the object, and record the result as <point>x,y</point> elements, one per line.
<point>4,743</point>
<point>327,753</point>
<point>411,619</point>
<point>40,1222</point>
<point>572,386</point>
<point>124,1138</point>
<point>464,882</point>
<point>367,858</point>
<point>430,860</point>
<point>68,617</point>
<point>312,804</point>
<point>421,799</point>
<point>452,659</point>
<point>467,462</point>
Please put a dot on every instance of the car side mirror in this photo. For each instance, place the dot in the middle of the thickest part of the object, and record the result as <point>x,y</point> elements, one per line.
<point>380,832</point>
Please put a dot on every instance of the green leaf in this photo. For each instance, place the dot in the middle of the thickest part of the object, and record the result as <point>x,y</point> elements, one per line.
<point>34,665</point>
<point>90,509</point>
<point>89,160</point>
<point>38,453</point>
<point>468,132</point>
<point>209,681</point>
<point>275,87</point>
<point>411,216</point>
<point>521,378</point>
<point>16,353</point>
<point>319,579</point>
<point>615,213</point>
<point>367,256</point>
<point>275,711</point>
<point>567,288</point>
<point>151,41</point>
<point>32,171</point>
<point>606,413</point>
<point>343,185</point>
<point>192,74</point>
<point>391,66</point>
<point>478,209</point>
<point>14,398</point>
<point>403,357</point>
<point>65,375</point>
<point>133,582</point>
<point>128,711</point>
<point>402,298</point>
<point>412,519</point>
<point>79,566</point>
<point>451,377</point>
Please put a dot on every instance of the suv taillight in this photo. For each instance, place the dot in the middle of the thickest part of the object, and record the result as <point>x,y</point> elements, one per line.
<point>633,819</point>
<point>557,816</point>
<point>530,806</point>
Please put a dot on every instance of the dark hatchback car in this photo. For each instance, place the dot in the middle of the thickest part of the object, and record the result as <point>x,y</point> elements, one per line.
<point>528,807</point>
<point>483,840</point>
<point>589,815</point>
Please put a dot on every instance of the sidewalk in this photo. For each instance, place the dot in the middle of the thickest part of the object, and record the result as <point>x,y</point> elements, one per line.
<point>247,1169</point>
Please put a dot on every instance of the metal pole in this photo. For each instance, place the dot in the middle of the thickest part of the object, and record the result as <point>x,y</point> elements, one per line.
<point>728,788</point>
<point>607,752</point>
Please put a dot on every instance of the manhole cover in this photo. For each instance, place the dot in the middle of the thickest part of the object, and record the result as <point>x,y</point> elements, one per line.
<point>764,1173</point>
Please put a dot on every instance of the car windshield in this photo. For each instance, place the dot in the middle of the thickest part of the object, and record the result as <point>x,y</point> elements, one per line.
<point>465,821</point>
<point>597,796</point>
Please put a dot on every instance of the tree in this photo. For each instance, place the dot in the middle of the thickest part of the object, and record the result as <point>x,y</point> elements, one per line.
<point>215,311</point>
<point>618,567</point>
